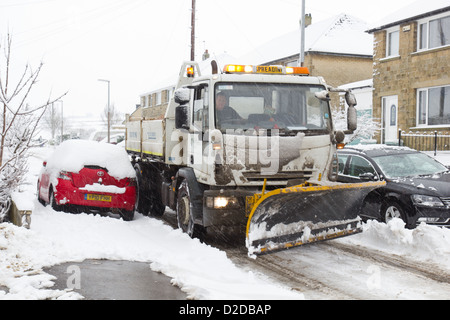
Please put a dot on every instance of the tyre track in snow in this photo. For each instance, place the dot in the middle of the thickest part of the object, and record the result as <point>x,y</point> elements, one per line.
<point>288,275</point>
<point>335,270</point>
<point>427,270</point>
<point>346,275</point>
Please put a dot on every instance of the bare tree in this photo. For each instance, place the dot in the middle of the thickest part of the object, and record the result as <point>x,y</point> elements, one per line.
<point>367,126</point>
<point>114,115</point>
<point>52,119</point>
<point>18,124</point>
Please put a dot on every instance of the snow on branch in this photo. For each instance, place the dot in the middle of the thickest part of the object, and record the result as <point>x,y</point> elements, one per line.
<point>19,120</point>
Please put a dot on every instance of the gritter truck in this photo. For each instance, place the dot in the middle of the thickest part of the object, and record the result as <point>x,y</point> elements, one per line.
<point>247,146</point>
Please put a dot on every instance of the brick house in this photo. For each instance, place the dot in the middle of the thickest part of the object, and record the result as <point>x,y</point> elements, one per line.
<point>411,73</point>
<point>153,104</point>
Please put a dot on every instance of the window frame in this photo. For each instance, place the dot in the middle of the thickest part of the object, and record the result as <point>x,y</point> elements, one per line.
<point>425,110</point>
<point>426,21</point>
<point>349,161</point>
<point>389,32</point>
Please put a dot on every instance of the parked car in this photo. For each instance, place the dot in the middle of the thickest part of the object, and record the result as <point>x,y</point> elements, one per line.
<point>88,175</point>
<point>417,186</point>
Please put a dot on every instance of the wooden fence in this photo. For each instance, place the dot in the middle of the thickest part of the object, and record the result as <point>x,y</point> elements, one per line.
<point>425,141</point>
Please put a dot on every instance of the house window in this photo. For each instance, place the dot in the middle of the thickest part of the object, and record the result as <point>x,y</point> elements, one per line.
<point>439,32</point>
<point>423,36</point>
<point>433,106</point>
<point>393,43</point>
<point>158,99</point>
<point>149,100</point>
<point>434,33</point>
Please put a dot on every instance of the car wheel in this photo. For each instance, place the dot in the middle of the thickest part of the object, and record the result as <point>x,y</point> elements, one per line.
<point>392,210</point>
<point>184,213</point>
<point>53,204</point>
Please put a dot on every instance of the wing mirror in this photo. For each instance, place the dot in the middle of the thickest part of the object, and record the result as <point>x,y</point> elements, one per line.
<point>352,118</point>
<point>182,97</point>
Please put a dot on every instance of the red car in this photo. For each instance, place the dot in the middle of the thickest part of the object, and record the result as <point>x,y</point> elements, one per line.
<point>90,176</point>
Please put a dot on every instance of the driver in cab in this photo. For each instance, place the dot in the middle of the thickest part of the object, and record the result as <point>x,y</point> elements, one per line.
<point>223,111</point>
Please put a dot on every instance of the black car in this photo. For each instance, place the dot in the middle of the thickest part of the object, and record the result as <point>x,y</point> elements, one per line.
<point>417,186</point>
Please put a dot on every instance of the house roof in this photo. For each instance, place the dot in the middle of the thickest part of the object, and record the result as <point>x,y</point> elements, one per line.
<point>342,34</point>
<point>417,10</point>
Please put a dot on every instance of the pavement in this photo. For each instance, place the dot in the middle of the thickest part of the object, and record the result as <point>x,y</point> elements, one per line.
<point>114,280</point>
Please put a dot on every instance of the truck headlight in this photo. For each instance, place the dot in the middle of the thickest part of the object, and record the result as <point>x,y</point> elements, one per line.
<point>222,202</point>
<point>427,201</point>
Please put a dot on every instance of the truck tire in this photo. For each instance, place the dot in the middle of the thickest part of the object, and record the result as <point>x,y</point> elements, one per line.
<point>157,208</point>
<point>127,215</point>
<point>142,202</point>
<point>185,218</point>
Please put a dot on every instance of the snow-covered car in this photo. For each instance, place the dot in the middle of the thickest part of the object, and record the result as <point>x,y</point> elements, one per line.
<point>417,186</point>
<point>88,175</point>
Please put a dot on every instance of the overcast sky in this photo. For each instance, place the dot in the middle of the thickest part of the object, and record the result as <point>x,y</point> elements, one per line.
<point>133,43</point>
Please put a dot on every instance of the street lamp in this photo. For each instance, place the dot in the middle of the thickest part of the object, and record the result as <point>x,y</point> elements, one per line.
<point>109,120</point>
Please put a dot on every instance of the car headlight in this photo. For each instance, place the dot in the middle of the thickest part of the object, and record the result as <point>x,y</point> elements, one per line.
<point>427,201</point>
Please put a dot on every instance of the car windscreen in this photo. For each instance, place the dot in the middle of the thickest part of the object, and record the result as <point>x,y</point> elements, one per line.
<point>408,165</point>
<point>287,107</point>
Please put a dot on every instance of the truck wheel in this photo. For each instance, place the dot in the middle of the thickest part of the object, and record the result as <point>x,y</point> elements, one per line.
<point>127,215</point>
<point>184,213</point>
<point>157,208</point>
<point>142,202</point>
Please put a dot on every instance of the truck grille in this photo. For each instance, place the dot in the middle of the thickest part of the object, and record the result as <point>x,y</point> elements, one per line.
<point>282,176</point>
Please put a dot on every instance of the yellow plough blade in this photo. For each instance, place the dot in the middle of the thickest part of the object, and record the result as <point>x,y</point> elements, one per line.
<point>294,216</point>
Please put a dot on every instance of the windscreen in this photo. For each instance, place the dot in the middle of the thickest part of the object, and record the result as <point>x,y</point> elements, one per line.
<point>408,165</point>
<point>289,108</point>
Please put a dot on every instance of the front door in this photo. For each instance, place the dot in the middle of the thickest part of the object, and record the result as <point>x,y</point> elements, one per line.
<point>390,120</point>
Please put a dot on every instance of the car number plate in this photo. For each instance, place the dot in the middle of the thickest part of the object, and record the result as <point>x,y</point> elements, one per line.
<point>97,197</point>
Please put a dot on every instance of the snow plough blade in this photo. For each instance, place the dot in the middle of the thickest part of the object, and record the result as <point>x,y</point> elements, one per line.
<point>303,214</point>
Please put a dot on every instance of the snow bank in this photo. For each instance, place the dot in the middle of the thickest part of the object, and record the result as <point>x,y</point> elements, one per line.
<point>425,243</point>
<point>203,272</point>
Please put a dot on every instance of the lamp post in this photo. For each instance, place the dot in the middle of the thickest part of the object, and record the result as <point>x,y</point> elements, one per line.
<point>109,120</point>
<point>301,59</point>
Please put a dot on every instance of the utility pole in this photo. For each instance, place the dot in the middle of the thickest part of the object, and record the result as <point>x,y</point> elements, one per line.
<point>193,32</point>
<point>301,60</point>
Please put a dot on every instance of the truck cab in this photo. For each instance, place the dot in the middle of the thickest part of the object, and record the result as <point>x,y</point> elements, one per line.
<point>241,128</point>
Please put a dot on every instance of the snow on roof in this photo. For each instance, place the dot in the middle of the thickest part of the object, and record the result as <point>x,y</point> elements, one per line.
<point>358,84</point>
<point>411,12</point>
<point>342,34</point>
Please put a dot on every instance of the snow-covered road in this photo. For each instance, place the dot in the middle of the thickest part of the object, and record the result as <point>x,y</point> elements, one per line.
<point>383,262</point>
